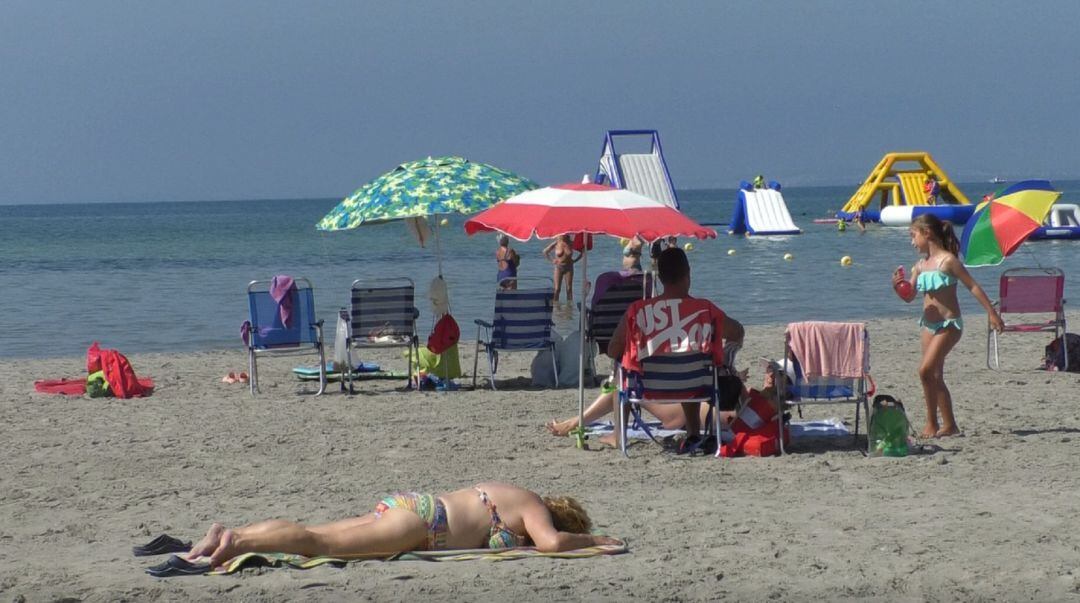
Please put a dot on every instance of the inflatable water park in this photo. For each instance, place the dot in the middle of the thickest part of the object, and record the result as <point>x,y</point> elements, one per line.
<point>1063,222</point>
<point>760,210</point>
<point>906,186</point>
<point>645,173</point>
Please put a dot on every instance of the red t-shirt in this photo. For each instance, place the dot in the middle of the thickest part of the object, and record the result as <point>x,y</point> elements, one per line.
<point>659,325</point>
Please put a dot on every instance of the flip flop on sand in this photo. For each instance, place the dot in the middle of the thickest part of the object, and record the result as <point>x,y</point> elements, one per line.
<point>242,378</point>
<point>230,378</point>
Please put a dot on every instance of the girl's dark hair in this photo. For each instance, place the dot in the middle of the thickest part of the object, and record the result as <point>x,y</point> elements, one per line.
<point>941,231</point>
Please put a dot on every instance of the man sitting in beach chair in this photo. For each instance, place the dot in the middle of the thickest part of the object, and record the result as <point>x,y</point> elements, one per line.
<point>674,323</point>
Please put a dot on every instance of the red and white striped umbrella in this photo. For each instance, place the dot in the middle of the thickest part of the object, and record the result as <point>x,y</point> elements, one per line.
<point>585,208</point>
<point>590,208</point>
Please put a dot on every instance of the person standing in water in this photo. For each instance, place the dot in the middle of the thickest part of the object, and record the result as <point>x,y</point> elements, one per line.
<point>508,261</point>
<point>561,254</point>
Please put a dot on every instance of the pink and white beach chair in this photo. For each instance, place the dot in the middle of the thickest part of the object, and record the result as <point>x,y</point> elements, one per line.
<point>1029,291</point>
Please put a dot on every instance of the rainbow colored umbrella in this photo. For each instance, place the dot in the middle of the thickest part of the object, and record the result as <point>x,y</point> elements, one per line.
<point>1000,225</point>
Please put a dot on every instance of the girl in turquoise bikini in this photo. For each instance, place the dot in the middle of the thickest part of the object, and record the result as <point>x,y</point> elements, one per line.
<point>936,275</point>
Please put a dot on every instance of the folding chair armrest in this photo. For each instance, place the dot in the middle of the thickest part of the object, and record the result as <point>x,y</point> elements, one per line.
<point>484,323</point>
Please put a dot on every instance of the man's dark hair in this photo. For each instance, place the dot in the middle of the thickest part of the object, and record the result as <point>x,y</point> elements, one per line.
<point>672,265</point>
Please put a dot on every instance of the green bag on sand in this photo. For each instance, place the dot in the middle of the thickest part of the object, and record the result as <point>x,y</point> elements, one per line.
<point>97,386</point>
<point>444,366</point>
<point>889,427</point>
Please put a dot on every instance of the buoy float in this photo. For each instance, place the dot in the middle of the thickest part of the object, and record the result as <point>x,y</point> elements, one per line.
<point>845,261</point>
<point>444,222</point>
<point>688,246</point>
<point>731,252</point>
<point>788,257</point>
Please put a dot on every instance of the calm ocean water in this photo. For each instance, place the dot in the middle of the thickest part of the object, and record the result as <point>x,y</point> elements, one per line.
<point>145,277</point>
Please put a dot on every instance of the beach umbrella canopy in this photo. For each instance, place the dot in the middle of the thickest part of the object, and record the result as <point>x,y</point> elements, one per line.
<point>1000,225</point>
<point>585,208</point>
<point>427,187</point>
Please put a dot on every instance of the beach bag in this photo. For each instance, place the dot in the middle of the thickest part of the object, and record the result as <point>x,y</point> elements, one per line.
<point>889,427</point>
<point>1055,356</point>
<point>117,371</point>
<point>341,341</point>
<point>445,334</point>
<point>446,365</point>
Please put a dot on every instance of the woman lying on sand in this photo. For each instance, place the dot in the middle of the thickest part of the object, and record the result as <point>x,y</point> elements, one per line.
<point>489,515</point>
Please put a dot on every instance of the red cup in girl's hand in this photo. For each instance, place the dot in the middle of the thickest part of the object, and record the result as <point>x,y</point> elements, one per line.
<point>902,286</point>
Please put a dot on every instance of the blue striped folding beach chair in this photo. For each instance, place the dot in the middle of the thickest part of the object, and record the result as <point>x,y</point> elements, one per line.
<point>669,379</point>
<point>522,323</point>
<point>383,315</point>
<point>268,334</point>
<point>829,389</point>
<point>603,315</point>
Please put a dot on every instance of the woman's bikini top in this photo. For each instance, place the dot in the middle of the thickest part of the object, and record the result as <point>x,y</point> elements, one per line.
<point>500,537</point>
<point>934,280</point>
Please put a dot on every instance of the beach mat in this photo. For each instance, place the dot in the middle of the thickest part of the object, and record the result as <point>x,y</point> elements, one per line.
<point>362,371</point>
<point>602,428</point>
<point>176,566</point>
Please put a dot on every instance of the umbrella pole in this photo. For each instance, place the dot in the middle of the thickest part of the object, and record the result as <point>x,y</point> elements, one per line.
<point>438,247</point>
<point>580,435</point>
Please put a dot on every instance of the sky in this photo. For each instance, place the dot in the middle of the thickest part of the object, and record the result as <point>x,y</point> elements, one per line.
<point>228,99</point>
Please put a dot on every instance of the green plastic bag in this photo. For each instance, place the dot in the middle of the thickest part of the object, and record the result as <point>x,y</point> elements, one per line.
<point>889,427</point>
<point>97,386</point>
<point>444,366</point>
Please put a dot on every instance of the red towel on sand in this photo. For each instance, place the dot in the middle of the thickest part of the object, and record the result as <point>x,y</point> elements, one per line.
<point>118,373</point>
<point>77,387</point>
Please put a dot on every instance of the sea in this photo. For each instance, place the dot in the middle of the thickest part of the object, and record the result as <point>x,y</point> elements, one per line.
<point>171,277</point>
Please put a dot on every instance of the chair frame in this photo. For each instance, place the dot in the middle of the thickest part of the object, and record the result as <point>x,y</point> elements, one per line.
<point>627,400</point>
<point>412,343</point>
<point>484,327</point>
<point>1057,326</point>
<point>302,284</point>
<point>860,393</point>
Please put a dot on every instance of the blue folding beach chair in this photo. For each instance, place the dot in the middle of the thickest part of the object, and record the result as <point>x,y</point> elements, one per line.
<point>383,315</point>
<point>674,378</point>
<point>522,323</point>
<point>828,389</point>
<point>270,334</point>
<point>602,316</point>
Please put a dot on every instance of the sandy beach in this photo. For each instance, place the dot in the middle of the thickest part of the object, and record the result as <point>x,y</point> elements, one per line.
<point>988,516</point>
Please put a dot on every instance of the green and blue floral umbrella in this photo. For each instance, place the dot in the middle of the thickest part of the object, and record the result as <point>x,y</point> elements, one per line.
<point>428,187</point>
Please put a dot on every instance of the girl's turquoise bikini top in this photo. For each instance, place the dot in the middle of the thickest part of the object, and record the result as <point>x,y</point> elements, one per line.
<point>933,280</point>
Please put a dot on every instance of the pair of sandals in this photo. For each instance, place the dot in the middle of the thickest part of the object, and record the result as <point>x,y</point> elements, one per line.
<point>175,565</point>
<point>235,378</point>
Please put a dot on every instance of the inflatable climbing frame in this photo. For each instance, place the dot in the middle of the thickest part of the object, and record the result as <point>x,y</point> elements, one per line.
<point>899,179</point>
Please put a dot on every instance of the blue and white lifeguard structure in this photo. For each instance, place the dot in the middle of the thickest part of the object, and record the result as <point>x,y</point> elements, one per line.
<point>643,171</point>
<point>761,212</point>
